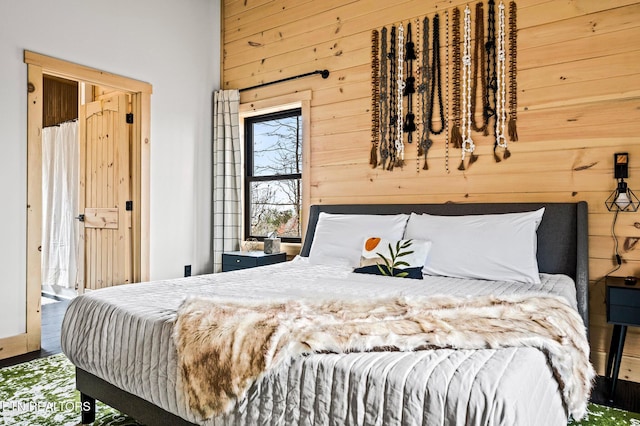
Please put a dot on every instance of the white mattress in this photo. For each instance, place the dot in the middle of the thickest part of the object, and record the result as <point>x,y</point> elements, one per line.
<point>123,335</point>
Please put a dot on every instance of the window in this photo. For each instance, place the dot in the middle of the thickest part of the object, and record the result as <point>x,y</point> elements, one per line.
<point>273,182</point>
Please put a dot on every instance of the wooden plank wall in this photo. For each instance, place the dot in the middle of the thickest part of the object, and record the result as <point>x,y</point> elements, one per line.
<point>60,100</point>
<point>579,103</point>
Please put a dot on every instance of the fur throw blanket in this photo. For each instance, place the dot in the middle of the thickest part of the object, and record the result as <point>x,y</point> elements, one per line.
<point>224,346</point>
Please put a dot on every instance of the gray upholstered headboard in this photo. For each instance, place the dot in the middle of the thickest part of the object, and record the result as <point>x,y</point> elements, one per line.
<point>562,235</point>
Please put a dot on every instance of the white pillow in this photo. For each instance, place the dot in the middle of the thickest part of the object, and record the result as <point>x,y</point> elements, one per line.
<point>339,237</point>
<point>499,247</point>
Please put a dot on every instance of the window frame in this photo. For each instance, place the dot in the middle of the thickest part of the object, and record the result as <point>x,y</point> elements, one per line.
<point>258,102</point>
<point>249,178</point>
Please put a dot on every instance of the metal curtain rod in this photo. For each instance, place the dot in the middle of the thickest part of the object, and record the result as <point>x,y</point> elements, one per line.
<point>62,122</point>
<point>324,73</point>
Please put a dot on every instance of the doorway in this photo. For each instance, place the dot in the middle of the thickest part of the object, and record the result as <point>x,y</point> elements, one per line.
<point>60,186</point>
<point>87,240</point>
<point>139,93</point>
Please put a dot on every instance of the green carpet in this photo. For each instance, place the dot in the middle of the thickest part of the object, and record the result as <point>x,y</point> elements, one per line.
<point>42,393</point>
<point>605,416</point>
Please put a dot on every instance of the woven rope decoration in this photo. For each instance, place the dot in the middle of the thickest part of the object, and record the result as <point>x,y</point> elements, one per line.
<point>501,93</point>
<point>375,100</point>
<point>467,142</point>
<point>384,100</point>
<point>484,60</point>
<point>456,134</point>
<point>513,72</point>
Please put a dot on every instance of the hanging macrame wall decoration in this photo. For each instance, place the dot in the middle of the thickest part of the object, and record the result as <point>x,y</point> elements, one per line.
<point>501,88</point>
<point>456,135</point>
<point>383,100</point>
<point>425,94</point>
<point>400,100</point>
<point>513,65</point>
<point>393,100</point>
<point>467,112</point>
<point>375,100</point>
<point>409,88</point>
<point>411,57</point>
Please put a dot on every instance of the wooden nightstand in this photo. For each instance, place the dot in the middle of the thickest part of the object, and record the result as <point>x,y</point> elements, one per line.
<point>623,309</point>
<point>234,260</point>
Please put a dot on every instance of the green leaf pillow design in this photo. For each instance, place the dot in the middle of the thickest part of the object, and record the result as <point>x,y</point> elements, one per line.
<point>393,258</point>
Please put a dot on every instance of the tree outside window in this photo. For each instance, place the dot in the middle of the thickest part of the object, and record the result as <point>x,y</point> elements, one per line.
<point>273,190</point>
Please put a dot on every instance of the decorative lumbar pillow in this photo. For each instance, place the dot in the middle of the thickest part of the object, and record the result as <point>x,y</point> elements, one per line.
<point>499,247</point>
<point>338,237</point>
<point>394,258</point>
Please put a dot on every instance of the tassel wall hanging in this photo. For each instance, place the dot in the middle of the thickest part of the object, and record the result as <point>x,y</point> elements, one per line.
<point>401,68</point>
<point>409,88</point>
<point>446,91</point>
<point>513,66</point>
<point>436,78</point>
<point>425,93</point>
<point>479,59</point>
<point>400,100</point>
<point>467,142</point>
<point>501,83</point>
<point>384,100</point>
<point>393,100</point>
<point>375,100</point>
<point>456,135</point>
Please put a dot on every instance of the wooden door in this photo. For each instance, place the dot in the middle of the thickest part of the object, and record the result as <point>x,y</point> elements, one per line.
<point>105,189</point>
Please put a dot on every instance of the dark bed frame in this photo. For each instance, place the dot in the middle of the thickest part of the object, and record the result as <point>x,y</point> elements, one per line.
<point>562,249</point>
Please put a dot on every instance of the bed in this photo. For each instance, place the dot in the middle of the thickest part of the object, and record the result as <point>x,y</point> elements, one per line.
<point>123,340</point>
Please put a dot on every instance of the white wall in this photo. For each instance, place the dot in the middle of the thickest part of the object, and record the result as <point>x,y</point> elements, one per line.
<point>172,44</point>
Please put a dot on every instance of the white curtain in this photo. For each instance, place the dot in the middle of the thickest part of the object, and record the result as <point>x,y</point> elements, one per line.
<point>227,175</point>
<point>60,180</point>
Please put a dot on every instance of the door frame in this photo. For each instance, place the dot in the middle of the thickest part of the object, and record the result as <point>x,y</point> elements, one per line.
<point>37,65</point>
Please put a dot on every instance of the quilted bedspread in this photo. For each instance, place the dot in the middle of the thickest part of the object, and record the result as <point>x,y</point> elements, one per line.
<point>124,335</point>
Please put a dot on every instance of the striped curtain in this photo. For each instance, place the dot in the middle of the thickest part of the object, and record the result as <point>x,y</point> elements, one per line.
<point>227,174</point>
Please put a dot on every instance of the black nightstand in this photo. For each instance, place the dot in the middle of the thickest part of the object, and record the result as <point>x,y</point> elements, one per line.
<point>234,260</point>
<point>623,309</point>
